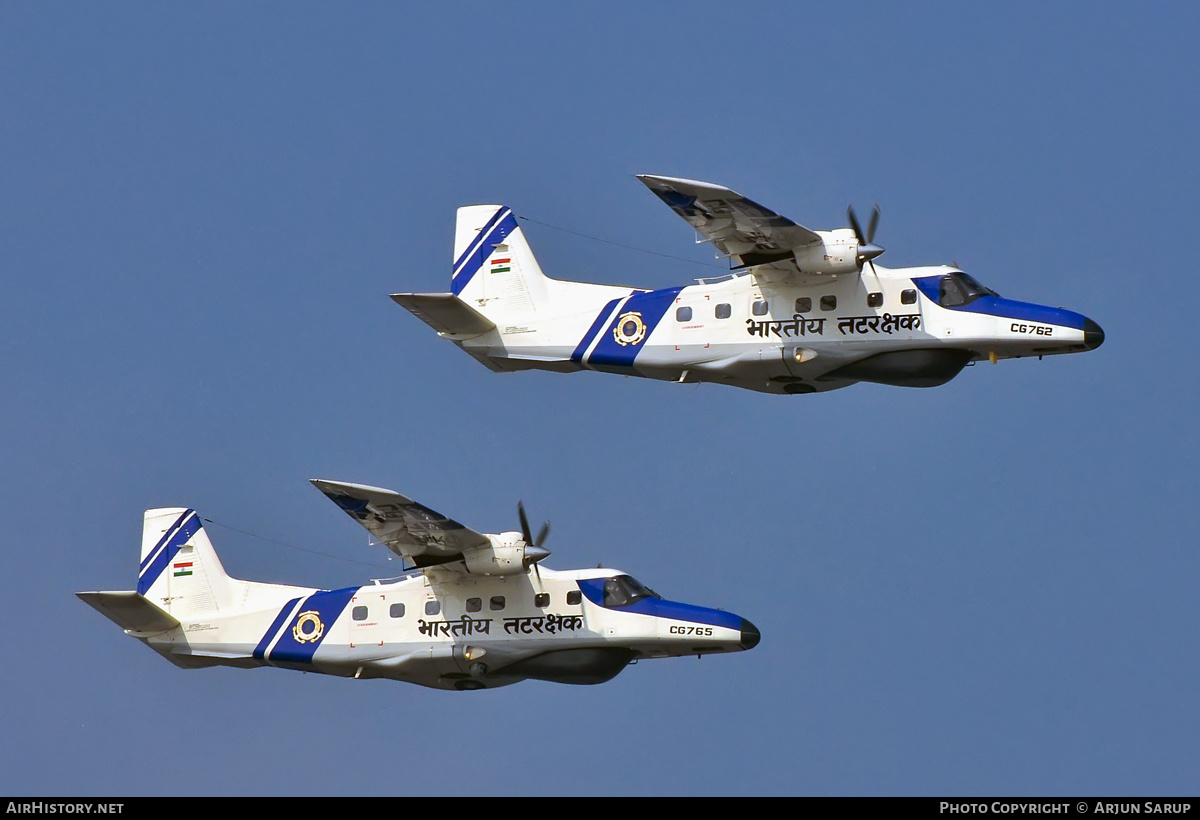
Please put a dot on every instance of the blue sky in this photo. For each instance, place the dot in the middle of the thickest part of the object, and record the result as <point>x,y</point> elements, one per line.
<point>983,588</point>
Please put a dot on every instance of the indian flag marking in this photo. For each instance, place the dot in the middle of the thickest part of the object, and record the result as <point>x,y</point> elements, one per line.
<point>501,265</point>
<point>183,568</point>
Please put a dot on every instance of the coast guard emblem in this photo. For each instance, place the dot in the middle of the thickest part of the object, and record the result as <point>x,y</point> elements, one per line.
<point>308,627</point>
<point>630,329</point>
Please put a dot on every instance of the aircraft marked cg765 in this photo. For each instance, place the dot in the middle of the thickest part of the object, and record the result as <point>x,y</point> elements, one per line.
<point>802,311</point>
<point>480,614</point>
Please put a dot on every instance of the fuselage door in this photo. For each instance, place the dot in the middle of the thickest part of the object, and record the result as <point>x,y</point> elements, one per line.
<point>369,618</point>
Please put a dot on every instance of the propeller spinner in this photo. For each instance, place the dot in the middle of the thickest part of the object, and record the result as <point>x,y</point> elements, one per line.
<point>867,249</point>
<point>534,551</point>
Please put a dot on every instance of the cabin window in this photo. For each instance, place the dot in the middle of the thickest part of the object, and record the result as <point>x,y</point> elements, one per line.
<point>874,300</point>
<point>474,604</point>
<point>541,600</point>
<point>724,310</point>
<point>828,303</point>
<point>433,607</point>
<point>759,308</point>
<point>574,597</point>
<point>359,613</point>
<point>683,314</point>
<point>396,610</point>
<point>908,297</point>
<point>497,603</point>
<point>804,304</point>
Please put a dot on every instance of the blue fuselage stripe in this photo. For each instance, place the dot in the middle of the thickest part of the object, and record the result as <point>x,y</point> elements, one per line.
<point>295,653</point>
<point>1003,308</point>
<point>268,636</point>
<point>577,356</point>
<point>1025,312</point>
<point>593,588</point>
<point>613,356</point>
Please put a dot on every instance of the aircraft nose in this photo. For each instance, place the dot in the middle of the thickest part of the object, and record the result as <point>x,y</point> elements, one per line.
<point>750,635</point>
<point>1093,335</point>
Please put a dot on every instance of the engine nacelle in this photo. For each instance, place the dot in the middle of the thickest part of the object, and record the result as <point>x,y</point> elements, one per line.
<point>837,252</point>
<point>504,555</point>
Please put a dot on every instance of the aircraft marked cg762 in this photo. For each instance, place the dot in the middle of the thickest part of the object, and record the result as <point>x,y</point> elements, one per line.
<point>802,311</point>
<point>481,613</point>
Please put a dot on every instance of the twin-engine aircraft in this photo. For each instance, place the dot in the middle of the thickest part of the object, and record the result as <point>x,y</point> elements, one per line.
<point>480,613</point>
<point>801,311</point>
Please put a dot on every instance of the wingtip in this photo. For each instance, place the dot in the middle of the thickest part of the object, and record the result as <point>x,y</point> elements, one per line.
<point>324,484</point>
<point>652,181</point>
<point>648,178</point>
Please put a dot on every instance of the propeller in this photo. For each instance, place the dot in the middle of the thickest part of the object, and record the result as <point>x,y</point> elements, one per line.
<point>867,249</point>
<point>534,551</point>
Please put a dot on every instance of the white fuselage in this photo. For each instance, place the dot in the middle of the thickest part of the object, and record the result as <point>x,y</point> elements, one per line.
<point>453,631</point>
<point>802,312</point>
<point>782,337</point>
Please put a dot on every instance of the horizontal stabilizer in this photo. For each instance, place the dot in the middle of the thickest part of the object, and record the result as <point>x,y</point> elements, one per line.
<point>129,610</point>
<point>445,313</point>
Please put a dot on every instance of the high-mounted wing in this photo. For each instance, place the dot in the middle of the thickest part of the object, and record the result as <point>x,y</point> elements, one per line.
<point>756,237</point>
<point>413,531</point>
<point>738,227</point>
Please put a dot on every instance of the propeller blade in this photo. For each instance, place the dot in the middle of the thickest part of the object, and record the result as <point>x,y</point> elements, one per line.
<point>874,224</point>
<point>524,524</point>
<point>534,551</point>
<point>854,224</point>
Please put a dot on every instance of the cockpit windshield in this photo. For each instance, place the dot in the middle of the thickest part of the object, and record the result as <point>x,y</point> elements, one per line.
<point>958,289</point>
<point>623,590</point>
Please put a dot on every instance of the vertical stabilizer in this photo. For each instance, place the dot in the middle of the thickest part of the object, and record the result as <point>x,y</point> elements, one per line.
<point>180,571</point>
<point>495,271</point>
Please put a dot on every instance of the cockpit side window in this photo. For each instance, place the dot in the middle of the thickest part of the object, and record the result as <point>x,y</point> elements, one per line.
<point>624,590</point>
<point>951,293</point>
<point>958,289</point>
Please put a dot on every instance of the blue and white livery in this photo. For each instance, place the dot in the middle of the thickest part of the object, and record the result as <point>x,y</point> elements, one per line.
<point>801,311</point>
<point>479,613</point>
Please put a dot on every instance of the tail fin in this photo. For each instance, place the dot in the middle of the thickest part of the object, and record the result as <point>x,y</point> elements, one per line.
<point>495,270</point>
<point>180,571</point>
